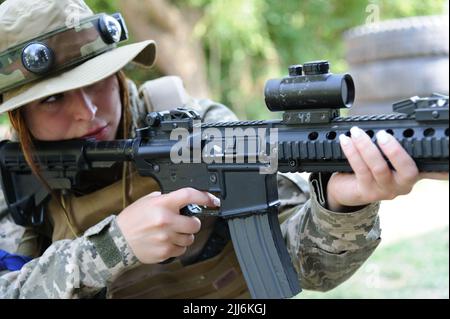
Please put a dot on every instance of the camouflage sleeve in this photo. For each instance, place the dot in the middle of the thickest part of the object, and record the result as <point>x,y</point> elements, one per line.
<point>77,268</point>
<point>327,247</point>
<point>10,233</point>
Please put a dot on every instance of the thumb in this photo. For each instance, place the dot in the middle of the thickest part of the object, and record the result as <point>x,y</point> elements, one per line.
<point>154,194</point>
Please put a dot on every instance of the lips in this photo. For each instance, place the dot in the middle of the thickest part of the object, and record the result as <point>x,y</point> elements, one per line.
<point>98,133</point>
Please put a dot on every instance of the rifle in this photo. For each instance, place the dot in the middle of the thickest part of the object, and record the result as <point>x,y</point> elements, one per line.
<point>179,151</point>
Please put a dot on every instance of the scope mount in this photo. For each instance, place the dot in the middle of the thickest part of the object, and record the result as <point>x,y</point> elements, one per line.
<point>310,94</point>
<point>312,116</point>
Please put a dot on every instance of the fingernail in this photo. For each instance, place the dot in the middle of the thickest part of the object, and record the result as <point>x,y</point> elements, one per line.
<point>383,137</point>
<point>356,132</point>
<point>344,139</point>
<point>215,200</point>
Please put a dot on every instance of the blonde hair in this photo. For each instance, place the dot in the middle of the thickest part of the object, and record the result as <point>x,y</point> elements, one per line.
<point>25,137</point>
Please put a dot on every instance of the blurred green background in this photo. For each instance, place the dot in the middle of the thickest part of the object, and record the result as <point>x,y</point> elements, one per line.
<point>227,49</point>
<point>234,46</point>
<point>247,42</point>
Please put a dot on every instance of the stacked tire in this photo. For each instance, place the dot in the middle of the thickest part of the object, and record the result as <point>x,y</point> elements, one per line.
<point>397,59</point>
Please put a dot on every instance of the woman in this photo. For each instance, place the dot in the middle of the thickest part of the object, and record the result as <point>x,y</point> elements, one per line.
<point>73,87</point>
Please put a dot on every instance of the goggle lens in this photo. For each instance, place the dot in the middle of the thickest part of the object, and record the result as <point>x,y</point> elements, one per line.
<point>110,29</point>
<point>37,58</point>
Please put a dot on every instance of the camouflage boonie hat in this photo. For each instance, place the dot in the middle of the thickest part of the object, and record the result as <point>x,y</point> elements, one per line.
<point>52,46</point>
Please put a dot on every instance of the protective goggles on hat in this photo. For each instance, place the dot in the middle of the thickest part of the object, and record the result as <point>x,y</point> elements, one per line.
<point>60,49</point>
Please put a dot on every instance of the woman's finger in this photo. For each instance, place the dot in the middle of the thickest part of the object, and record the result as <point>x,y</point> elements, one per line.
<point>154,194</point>
<point>171,251</point>
<point>406,172</point>
<point>372,157</point>
<point>186,224</point>
<point>355,160</point>
<point>183,240</point>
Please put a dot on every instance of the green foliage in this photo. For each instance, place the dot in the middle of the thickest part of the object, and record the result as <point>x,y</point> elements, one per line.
<point>108,6</point>
<point>248,42</point>
<point>4,119</point>
<point>239,50</point>
<point>312,29</point>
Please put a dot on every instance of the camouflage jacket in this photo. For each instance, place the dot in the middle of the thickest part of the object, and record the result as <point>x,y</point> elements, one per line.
<point>326,247</point>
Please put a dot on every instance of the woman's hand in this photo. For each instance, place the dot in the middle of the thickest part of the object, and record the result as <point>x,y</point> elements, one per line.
<point>154,228</point>
<point>373,180</point>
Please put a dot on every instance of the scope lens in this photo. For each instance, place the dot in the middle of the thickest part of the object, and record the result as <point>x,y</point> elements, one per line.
<point>344,92</point>
<point>347,91</point>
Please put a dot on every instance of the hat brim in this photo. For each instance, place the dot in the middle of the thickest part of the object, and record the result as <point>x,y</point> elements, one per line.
<point>85,74</point>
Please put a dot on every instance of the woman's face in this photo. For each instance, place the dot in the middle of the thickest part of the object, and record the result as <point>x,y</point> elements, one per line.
<point>90,112</point>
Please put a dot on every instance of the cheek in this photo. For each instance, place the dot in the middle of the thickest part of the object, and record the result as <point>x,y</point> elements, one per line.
<point>55,127</point>
<point>34,121</point>
<point>110,106</point>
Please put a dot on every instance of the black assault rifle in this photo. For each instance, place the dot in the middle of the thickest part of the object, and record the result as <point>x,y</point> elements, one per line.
<point>210,158</point>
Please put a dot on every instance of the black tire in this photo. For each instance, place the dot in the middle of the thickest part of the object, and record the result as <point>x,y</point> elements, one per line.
<point>400,78</point>
<point>407,37</point>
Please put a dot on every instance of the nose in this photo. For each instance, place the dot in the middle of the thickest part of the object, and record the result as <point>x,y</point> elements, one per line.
<point>82,106</point>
